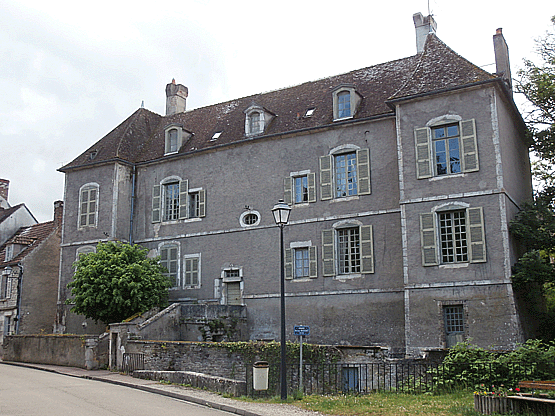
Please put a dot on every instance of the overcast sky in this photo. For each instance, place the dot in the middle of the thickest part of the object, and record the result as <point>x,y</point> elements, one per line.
<point>71,71</point>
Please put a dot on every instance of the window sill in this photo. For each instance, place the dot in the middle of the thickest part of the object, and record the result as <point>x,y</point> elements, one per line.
<point>345,198</point>
<point>453,266</point>
<point>343,118</point>
<point>173,222</point>
<point>441,177</point>
<point>301,279</point>
<point>301,205</point>
<point>342,277</point>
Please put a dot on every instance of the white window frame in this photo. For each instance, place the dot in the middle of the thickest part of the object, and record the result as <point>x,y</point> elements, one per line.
<point>426,166</point>
<point>290,260</point>
<point>186,259</point>
<point>264,119</point>
<point>159,201</point>
<point>182,136</point>
<point>289,187</point>
<point>354,101</point>
<point>430,238</point>
<point>245,214</point>
<point>88,187</point>
<point>172,244</point>
<point>331,247</point>
<point>329,175</point>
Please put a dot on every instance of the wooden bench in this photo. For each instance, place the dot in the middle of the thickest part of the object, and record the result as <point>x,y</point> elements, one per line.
<point>537,385</point>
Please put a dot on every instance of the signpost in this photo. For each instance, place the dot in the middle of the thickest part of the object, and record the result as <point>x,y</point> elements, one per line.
<point>301,331</point>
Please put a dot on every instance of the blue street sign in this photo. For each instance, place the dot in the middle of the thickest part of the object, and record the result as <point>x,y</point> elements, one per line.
<point>303,330</point>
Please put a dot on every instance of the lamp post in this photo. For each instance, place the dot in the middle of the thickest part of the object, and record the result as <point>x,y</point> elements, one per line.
<point>281,213</point>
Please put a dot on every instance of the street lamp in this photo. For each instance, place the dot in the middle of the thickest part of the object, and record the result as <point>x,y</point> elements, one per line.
<point>281,213</point>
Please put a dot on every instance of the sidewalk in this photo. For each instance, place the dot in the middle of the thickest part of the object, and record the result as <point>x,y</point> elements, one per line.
<point>201,397</point>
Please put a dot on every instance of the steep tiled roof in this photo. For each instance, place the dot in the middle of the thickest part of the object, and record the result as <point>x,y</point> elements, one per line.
<point>30,237</point>
<point>140,138</point>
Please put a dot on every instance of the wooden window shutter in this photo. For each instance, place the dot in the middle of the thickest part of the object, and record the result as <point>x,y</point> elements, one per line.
<point>313,262</point>
<point>288,190</point>
<point>428,239</point>
<point>288,263</point>
<point>311,178</point>
<point>366,249</point>
<point>326,177</point>
<point>423,148</point>
<point>183,199</point>
<point>363,172</point>
<point>328,252</point>
<point>156,202</point>
<point>202,203</point>
<point>469,146</point>
<point>476,235</point>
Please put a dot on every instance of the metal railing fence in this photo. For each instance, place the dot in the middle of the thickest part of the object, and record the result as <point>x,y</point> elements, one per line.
<point>132,361</point>
<point>409,377</point>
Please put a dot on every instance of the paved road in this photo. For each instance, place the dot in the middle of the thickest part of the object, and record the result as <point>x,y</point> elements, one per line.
<point>26,391</point>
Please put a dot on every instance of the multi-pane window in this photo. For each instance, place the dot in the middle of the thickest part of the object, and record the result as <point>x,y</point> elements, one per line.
<point>255,123</point>
<point>301,189</point>
<point>454,318</point>
<point>302,262</point>
<point>88,206</point>
<point>452,233</point>
<point>345,175</point>
<point>172,141</point>
<point>348,250</point>
<point>171,201</point>
<point>192,271</point>
<point>169,259</point>
<point>446,145</point>
<point>344,104</point>
<point>194,204</point>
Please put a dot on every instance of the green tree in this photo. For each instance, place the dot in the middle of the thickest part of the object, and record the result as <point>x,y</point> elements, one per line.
<point>534,226</point>
<point>116,282</point>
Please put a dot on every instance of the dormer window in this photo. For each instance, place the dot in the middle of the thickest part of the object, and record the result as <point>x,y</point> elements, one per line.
<point>345,102</point>
<point>257,120</point>
<point>175,136</point>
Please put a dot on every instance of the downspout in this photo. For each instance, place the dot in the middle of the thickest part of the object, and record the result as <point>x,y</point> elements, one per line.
<point>133,179</point>
<point>19,285</point>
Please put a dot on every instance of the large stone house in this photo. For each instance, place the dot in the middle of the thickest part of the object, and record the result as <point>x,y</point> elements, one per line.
<point>402,178</point>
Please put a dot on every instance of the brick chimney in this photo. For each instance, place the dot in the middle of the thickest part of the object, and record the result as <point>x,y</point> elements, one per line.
<point>502,64</point>
<point>423,26</point>
<point>58,213</point>
<point>4,187</point>
<point>176,98</point>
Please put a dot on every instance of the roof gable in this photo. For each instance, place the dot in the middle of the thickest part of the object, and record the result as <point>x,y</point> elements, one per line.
<point>30,237</point>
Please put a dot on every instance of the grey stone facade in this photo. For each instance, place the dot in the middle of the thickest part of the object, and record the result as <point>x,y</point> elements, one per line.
<point>372,268</point>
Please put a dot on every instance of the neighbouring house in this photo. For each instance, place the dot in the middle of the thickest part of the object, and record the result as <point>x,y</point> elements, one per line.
<point>29,266</point>
<point>402,178</point>
<point>12,218</point>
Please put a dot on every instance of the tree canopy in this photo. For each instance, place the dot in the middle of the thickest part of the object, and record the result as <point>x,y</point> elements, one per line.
<point>116,282</point>
<point>534,225</point>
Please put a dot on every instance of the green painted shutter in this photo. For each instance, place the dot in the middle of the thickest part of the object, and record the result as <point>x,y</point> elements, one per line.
<point>328,252</point>
<point>313,262</point>
<point>156,201</point>
<point>202,203</point>
<point>363,172</point>
<point>423,150</point>
<point>366,249</point>
<point>288,263</point>
<point>326,177</point>
<point>183,199</point>
<point>428,239</point>
<point>477,235</point>
<point>311,177</point>
<point>288,190</point>
<point>469,146</point>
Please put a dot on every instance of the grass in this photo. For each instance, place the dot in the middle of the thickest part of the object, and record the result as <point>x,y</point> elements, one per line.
<point>391,404</point>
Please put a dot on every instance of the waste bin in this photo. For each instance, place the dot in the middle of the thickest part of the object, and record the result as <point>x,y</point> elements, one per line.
<point>260,375</point>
